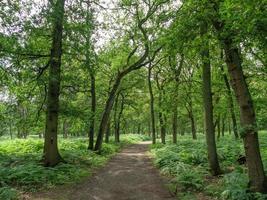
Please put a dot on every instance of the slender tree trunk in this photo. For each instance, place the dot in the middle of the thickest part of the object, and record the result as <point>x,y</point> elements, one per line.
<point>162,128</point>
<point>152,112</point>
<point>219,127</point>
<point>192,119</point>
<point>208,107</point>
<point>257,178</point>
<point>118,121</point>
<point>176,72</point>
<point>231,103</point>
<point>162,122</point>
<point>174,125</point>
<point>106,113</point>
<point>107,133</point>
<point>51,153</point>
<point>93,110</point>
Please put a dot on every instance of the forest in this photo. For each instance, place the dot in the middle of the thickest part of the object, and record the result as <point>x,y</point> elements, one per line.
<point>133,99</point>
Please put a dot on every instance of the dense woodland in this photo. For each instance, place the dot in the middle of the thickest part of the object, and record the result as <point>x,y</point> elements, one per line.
<point>187,74</point>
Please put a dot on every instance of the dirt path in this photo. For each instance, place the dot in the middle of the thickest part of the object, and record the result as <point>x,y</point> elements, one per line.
<point>130,175</point>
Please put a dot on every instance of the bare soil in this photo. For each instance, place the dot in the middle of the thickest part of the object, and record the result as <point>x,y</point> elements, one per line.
<point>130,175</point>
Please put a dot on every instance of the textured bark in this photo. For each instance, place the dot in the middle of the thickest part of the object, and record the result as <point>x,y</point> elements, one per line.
<point>152,111</point>
<point>208,107</point>
<point>257,178</point>
<point>51,153</point>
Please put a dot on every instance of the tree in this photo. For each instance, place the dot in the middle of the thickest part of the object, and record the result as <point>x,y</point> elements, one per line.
<point>208,107</point>
<point>257,178</point>
<point>51,153</point>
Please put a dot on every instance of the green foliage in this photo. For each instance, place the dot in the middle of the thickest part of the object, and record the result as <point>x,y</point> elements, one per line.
<point>187,164</point>
<point>8,193</point>
<point>20,165</point>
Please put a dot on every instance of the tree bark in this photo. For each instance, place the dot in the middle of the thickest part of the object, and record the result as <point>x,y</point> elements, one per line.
<point>118,120</point>
<point>106,113</point>
<point>174,125</point>
<point>208,107</point>
<point>51,153</point>
<point>93,110</point>
<point>257,178</point>
<point>176,72</point>
<point>107,133</point>
<point>152,111</point>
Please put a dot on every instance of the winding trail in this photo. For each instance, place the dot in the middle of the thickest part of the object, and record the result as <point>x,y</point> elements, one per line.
<point>130,175</point>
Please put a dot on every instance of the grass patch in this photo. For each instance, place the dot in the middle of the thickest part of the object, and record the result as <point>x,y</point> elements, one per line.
<point>186,163</point>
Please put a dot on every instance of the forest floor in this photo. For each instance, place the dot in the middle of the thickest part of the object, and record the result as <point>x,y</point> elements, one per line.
<point>129,175</point>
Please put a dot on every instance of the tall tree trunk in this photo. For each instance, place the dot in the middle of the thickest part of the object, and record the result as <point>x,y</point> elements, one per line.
<point>223,125</point>
<point>231,103</point>
<point>257,178</point>
<point>118,120</point>
<point>162,122</point>
<point>107,133</point>
<point>93,110</point>
<point>218,127</point>
<point>51,153</point>
<point>176,72</point>
<point>174,125</point>
<point>192,118</point>
<point>106,113</point>
<point>90,66</point>
<point>162,128</point>
<point>152,111</point>
<point>208,107</point>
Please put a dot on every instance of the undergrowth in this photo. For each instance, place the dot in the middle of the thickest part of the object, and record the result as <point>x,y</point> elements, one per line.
<point>186,163</point>
<point>21,170</point>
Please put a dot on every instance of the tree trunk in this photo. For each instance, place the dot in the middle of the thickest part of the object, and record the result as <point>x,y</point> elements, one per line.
<point>107,133</point>
<point>219,127</point>
<point>174,125</point>
<point>106,113</point>
<point>231,103</point>
<point>93,110</point>
<point>162,122</point>
<point>118,121</point>
<point>208,107</point>
<point>51,153</point>
<point>152,112</point>
<point>257,178</point>
<point>192,119</point>
<point>91,70</point>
